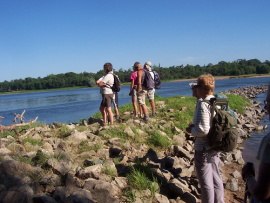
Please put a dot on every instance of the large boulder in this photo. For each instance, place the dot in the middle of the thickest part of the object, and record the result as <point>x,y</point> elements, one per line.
<point>102,191</point>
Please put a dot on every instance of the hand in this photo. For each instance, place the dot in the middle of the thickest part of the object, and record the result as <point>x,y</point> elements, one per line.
<point>191,126</point>
<point>248,170</point>
<point>130,94</point>
<point>188,129</point>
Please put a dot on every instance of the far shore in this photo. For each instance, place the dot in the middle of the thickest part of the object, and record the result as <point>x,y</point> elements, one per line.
<point>125,84</point>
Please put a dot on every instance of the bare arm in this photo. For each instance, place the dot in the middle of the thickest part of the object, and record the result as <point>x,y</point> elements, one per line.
<point>100,84</point>
<point>139,75</point>
<point>97,81</point>
<point>260,189</point>
<point>131,86</point>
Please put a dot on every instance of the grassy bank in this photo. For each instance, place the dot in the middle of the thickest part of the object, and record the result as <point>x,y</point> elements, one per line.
<point>173,113</point>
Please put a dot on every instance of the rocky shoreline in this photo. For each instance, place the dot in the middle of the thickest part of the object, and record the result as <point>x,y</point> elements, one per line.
<point>61,175</point>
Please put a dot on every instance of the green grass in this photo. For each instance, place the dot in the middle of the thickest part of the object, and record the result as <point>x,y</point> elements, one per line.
<point>23,159</point>
<point>117,160</point>
<point>141,177</point>
<point>63,132</point>
<point>40,159</point>
<point>32,141</point>
<point>84,147</point>
<point>157,140</point>
<point>108,170</point>
<point>237,102</point>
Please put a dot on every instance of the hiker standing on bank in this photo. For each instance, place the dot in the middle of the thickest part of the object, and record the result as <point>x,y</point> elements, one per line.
<point>114,101</point>
<point>260,188</point>
<point>107,94</point>
<point>141,89</point>
<point>133,94</point>
<point>151,93</point>
<point>206,160</point>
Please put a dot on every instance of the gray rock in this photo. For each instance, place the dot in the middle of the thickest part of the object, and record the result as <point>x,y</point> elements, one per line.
<point>103,153</point>
<point>114,141</point>
<point>13,196</point>
<point>60,167</point>
<point>90,171</point>
<point>43,199</point>
<point>232,185</point>
<point>47,146</point>
<point>129,132</point>
<point>180,152</point>
<point>236,174</point>
<point>91,162</point>
<point>177,187</point>
<point>53,180</point>
<point>151,155</point>
<point>101,191</point>
<point>159,198</point>
<point>189,198</point>
<point>120,182</point>
<point>61,193</point>
<point>81,196</point>
<point>70,180</point>
<point>4,151</point>
<point>115,150</point>
<point>12,167</point>
<point>178,140</point>
<point>76,137</point>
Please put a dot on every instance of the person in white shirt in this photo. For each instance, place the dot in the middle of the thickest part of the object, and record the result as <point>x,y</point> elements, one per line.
<point>114,101</point>
<point>107,94</point>
<point>206,160</point>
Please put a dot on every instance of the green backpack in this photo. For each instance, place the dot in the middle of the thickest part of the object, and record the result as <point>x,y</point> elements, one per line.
<point>223,134</point>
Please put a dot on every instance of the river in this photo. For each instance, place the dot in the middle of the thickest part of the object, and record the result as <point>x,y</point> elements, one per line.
<point>67,106</point>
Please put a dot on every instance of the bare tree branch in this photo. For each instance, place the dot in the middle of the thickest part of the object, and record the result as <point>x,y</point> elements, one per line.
<point>13,126</point>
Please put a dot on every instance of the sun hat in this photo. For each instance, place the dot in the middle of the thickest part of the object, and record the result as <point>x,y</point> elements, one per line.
<point>193,84</point>
<point>148,65</point>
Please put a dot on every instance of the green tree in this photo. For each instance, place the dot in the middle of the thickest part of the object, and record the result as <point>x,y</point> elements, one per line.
<point>91,82</point>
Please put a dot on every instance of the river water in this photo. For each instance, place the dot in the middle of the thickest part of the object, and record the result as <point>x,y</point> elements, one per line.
<point>67,106</point>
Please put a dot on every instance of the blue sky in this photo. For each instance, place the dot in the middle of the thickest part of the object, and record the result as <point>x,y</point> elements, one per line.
<point>42,37</point>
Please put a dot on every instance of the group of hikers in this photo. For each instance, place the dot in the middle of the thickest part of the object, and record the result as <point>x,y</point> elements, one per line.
<point>142,86</point>
<point>206,157</point>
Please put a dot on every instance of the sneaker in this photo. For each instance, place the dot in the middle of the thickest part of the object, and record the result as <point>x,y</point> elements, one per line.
<point>135,117</point>
<point>154,114</point>
<point>141,116</point>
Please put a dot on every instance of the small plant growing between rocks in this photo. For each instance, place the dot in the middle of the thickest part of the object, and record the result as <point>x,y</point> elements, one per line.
<point>32,141</point>
<point>108,170</point>
<point>159,140</point>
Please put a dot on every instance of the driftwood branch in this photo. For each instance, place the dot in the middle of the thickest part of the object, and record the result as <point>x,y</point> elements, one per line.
<point>13,126</point>
<point>20,117</point>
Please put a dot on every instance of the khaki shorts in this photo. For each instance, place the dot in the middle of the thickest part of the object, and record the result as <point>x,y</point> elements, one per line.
<point>141,96</point>
<point>151,94</point>
<point>106,100</point>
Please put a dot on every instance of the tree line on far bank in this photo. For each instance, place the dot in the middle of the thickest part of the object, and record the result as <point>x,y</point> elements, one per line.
<point>223,68</point>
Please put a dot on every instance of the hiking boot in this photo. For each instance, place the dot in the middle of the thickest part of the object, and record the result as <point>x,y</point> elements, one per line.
<point>146,119</point>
